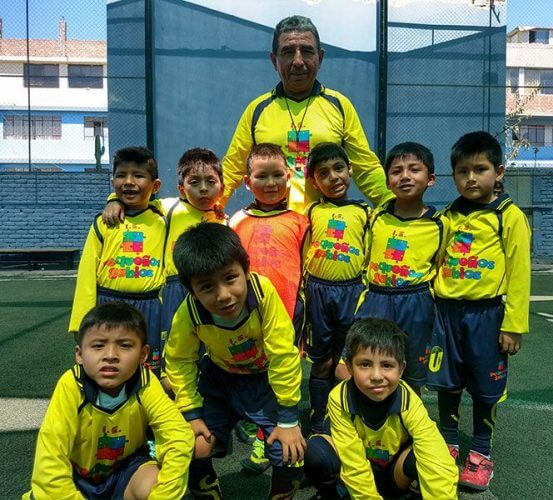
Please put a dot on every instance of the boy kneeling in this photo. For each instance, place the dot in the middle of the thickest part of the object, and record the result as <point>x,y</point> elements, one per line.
<point>92,443</point>
<point>251,369</point>
<point>381,438</point>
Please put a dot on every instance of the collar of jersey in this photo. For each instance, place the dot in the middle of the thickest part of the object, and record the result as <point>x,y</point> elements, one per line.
<point>466,207</point>
<point>354,409</point>
<point>430,211</point>
<point>340,203</point>
<point>317,89</point>
<point>256,211</point>
<point>251,304</point>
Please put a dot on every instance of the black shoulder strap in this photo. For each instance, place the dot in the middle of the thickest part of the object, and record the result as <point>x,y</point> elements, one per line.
<point>99,235</point>
<point>257,113</point>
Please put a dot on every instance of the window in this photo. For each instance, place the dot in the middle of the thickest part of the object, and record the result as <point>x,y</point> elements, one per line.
<point>512,80</point>
<point>542,78</point>
<point>95,126</point>
<point>41,75</point>
<point>42,127</point>
<point>546,81</point>
<point>539,36</point>
<point>535,134</point>
<point>86,76</point>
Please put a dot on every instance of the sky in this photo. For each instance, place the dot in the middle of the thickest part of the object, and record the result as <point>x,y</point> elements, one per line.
<point>86,19</point>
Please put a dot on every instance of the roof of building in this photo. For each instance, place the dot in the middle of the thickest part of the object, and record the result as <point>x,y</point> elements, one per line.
<point>78,49</point>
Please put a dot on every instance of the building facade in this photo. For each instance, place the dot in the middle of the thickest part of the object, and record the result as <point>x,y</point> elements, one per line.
<point>53,104</point>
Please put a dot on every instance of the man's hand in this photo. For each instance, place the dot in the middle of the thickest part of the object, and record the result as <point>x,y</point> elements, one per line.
<point>113,213</point>
<point>293,444</point>
<point>509,342</point>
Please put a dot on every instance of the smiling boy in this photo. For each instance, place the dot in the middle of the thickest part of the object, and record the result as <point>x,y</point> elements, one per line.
<point>92,442</point>
<point>336,251</point>
<point>408,239</point>
<point>380,439</point>
<point>126,262</point>
<point>251,370</point>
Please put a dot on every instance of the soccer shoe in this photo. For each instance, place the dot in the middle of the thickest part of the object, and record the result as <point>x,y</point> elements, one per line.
<point>477,473</point>
<point>256,463</point>
<point>453,451</point>
<point>246,431</point>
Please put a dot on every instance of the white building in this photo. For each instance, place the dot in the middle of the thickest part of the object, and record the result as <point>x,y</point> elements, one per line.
<point>530,92</point>
<point>63,83</point>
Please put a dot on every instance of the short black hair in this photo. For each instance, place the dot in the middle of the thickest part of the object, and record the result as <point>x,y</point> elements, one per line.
<point>206,248</point>
<point>198,158</point>
<point>420,152</point>
<point>379,335</point>
<point>475,143</point>
<point>265,150</point>
<point>300,24</point>
<point>112,315</point>
<point>138,155</point>
<point>322,152</point>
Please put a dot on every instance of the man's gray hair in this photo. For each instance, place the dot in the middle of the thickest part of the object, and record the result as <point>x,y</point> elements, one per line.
<point>295,23</point>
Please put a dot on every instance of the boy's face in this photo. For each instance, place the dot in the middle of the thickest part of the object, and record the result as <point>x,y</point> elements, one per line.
<point>134,185</point>
<point>268,180</point>
<point>475,178</point>
<point>202,187</point>
<point>332,178</point>
<point>408,178</point>
<point>111,356</point>
<point>375,374</point>
<point>222,292</point>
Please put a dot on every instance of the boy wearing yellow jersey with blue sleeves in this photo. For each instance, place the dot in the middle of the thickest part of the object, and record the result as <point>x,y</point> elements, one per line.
<point>335,255</point>
<point>379,440</point>
<point>251,369</point>
<point>126,262</point>
<point>92,442</point>
<point>407,243</point>
<point>482,300</point>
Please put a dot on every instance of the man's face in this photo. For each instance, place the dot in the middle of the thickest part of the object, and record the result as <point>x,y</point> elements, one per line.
<point>297,62</point>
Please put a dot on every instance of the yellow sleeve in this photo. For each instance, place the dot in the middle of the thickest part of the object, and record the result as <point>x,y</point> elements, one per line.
<point>234,162</point>
<point>278,344</point>
<point>181,355</point>
<point>356,471</point>
<point>87,277</point>
<point>368,173</point>
<point>174,442</point>
<point>52,470</point>
<point>437,471</point>
<point>516,243</point>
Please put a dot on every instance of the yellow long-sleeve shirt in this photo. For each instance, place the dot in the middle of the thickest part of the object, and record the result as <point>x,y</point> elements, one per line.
<point>488,255</point>
<point>262,342</point>
<point>125,258</point>
<point>358,444</point>
<point>325,116</point>
<point>76,435</point>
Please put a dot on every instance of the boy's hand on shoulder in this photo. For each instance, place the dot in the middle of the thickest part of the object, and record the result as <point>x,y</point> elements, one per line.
<point>200,429</point>
<point>293,444</point>
<point>509,342</point>
<point>113,213</point>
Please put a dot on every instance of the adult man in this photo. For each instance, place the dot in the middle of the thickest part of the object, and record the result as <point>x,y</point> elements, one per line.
<point>300,113</point>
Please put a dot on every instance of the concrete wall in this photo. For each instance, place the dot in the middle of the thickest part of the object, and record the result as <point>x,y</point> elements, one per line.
<point>49,209</point>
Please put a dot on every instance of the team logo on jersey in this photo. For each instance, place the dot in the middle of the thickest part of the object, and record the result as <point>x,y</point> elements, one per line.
<point>377,454</point>
<point>462,242</point>
<point>298,143</point>
<point>245,350</point>
<point>336,229</point>
<point>395,249</point>
<point>436,357</point>
<point>133,241</point>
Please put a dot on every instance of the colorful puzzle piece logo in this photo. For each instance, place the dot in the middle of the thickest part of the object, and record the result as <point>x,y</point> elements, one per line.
<point>395,249</point>
<point>298,143</point>
<point>336,229</point>
<point>462,242</point>
<point>133,241</point>
<point>109,448</point>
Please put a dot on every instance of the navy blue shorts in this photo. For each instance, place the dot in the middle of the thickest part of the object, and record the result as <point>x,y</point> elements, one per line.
<point>330,308</point>
<point>172,296</point>
<point>465,348</point>
<point>114,485</point>
<point>412,309</point>
<point>230,397</point>
<point>149,304</point>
